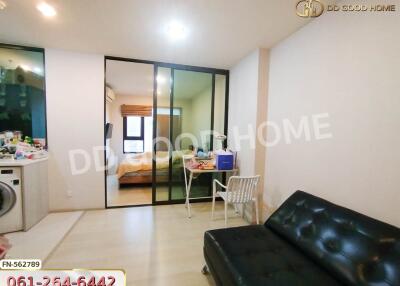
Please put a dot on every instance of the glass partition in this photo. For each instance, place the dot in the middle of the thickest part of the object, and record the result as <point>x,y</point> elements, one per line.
<point>129,136</point>
<point>163,127</point>
<point>190,106</point>
<point>191,129</point>
<point>22,96</point>
<point>157,113</point>
<point>219,111</point>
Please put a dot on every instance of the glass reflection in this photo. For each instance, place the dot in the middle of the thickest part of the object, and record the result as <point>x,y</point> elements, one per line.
<point>193,97</point>
<point>22,97</point>
<point>162,154</point>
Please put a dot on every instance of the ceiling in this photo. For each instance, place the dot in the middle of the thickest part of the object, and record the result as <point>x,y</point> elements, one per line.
<point>127,78</point>
<point>188,84</point>
<point>220,32</point>
<point>136,79</point>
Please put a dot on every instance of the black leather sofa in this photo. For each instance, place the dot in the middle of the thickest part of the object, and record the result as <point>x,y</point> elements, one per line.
<point>307,241</point>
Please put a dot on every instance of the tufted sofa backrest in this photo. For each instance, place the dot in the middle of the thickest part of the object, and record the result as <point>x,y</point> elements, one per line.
<point>354,248</point>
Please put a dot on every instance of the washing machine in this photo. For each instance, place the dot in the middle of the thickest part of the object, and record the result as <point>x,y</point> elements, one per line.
<point>10,200</point>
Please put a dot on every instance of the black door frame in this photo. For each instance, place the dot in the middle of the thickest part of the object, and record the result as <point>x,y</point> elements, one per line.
<point>156,65</point>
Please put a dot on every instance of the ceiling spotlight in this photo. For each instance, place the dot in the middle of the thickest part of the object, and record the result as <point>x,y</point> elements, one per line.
<point>25,67</point>
<point>160,79</point>
<point>176,31</point>
<point>3,5</point>
<point>46,9</point>
<point>37,70</point>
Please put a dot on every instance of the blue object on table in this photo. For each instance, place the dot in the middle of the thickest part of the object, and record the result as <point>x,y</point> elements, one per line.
<point>201,154</point>
<point>224,161</point>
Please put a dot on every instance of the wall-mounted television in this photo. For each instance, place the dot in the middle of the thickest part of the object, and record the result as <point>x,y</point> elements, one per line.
<point>109,128</point>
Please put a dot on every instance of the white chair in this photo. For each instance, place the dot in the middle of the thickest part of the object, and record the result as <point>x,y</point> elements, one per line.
<point>240,190</point>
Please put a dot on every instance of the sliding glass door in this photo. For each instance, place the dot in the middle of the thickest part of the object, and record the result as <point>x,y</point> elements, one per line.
<point>188,105</point>
<point>154,114</point>
<point>192,97</point>
<point>128,101</point>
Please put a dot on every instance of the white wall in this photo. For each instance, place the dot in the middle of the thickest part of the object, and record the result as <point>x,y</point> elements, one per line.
<point>75,120</point>
<point>243,92</point>
<point>200,116</point>
<point>348,65</point>
<point>187,124</point>
<point>248,94</point>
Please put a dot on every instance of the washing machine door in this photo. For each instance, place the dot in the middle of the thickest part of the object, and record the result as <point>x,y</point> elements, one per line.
<point>7,198</point>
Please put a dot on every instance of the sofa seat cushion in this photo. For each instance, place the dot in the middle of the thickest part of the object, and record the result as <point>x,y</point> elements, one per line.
<point>254,255</point>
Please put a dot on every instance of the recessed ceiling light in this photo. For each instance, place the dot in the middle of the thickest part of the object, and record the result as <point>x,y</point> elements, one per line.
<point>46,9</point>
<point>160,79</point>
<point>176,31</point>
<point>25,67</point>
<point>3,5</point>
<point>37,70</point>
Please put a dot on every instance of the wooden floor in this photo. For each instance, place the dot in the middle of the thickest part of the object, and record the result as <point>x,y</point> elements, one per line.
<point>131,195</point>
<point>155,245</point>
<point>40,240</point>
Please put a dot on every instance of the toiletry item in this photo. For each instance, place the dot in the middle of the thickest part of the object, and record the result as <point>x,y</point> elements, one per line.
<point>19,155</point>
<point>18,135</point>
<point>224,160</point>
<point>12,148</point>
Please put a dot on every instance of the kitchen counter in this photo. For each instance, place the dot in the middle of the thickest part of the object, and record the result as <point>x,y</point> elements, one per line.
<point>34,188</point>
<point>20,163</point>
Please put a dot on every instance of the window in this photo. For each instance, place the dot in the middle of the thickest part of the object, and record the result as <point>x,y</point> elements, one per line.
<point>138,134</point>
<point>134,126</point>
<point>133,134</point>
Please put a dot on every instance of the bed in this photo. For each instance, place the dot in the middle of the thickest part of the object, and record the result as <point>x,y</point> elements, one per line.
<point>138,168</point>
